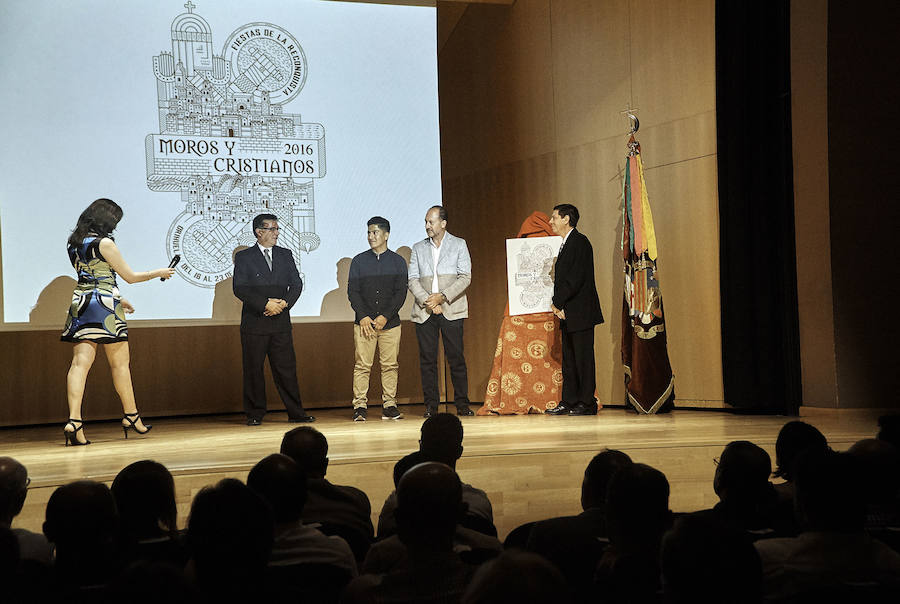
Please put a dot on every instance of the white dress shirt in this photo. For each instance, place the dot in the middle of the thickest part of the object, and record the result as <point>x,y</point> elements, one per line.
<point>435,256</point>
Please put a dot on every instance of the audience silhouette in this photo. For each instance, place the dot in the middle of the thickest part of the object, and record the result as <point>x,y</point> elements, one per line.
<point>889,429</point>
<point>13,491</point>
<point>9,561</point>
<point>229,533</point>
<point>441,441</point>
<point>705,560</point>
<point>879,466</point>
<point>299,552</point>
<point>256,541</point>
<point>429,504</point>
<point>338,510</point>
<point>748,502</point>
<point>637,517</point>
<point>575,543</point>
<point>82,523</point>
<point>832,556</point>
<point>517,577</point>
<point>145,499</point>
<point>390,551</point>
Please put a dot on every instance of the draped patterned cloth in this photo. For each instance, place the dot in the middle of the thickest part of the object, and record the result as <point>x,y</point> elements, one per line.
<point>649,382</point>
<point>526,376</point>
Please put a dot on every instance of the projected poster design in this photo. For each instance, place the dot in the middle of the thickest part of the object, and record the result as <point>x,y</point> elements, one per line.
<point>229,148</point>
<point>196,117</point>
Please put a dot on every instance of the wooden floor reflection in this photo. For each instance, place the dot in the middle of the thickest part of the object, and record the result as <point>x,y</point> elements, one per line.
<point>530,466</point>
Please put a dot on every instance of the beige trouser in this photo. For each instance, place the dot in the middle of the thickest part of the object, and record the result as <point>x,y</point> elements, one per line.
<point>388,343</point>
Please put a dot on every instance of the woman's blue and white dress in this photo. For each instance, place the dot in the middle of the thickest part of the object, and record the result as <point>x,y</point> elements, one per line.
<point>95,314</point>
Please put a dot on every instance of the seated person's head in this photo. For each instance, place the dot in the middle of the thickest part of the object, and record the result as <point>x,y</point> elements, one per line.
<point>442,436</point>
<point>82,521</point>
<point>429,502</point>
<point>637,507</point>
<point>742,472</point>
<point>145,498</point>
<point>827,493</point>
<point>280,481</point>
<point>794,438</point>
<point>879,466</point>
<point>705,560</point>
<point>309,448</point>
<point>13,489</point>
<point>517,577</point>
<point>597,475</point>
<point>407,462</point>
<point>229,534</point>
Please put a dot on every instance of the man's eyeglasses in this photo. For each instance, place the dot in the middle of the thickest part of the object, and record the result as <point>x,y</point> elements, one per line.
<point>269,228</point>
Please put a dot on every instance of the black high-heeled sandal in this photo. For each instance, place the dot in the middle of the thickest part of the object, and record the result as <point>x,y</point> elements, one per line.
<point>133,423</point>
<point>71,436</point>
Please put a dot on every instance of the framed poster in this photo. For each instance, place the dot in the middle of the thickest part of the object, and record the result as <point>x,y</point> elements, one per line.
<point>529,272</point>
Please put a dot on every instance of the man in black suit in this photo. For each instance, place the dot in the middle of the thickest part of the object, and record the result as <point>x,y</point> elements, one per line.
<point>576,304</point>
<point>267,282</point>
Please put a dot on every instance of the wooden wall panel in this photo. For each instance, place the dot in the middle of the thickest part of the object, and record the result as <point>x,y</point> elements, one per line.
<point>660,58</point>
<point>186,370</point>
<point>591,78</point>
<point>673,58</point>
<point>682,196</point>
<point>496,88</point>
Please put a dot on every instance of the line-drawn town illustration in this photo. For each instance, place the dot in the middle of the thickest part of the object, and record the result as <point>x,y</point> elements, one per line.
<point>529,264</point>
<point>226,144</point>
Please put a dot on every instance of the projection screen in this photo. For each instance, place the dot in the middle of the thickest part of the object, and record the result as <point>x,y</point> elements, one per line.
<point>197,117</point>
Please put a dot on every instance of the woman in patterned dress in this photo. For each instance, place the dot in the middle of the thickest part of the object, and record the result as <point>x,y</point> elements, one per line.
<point>97,314</point>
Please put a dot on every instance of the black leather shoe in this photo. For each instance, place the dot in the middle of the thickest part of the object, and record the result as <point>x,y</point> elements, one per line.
<point>464,411</point>
<point>429,412</point>
<point>560,409</point>
<point>301,419</point>
<point>582,409</point>
<point>252,421</point>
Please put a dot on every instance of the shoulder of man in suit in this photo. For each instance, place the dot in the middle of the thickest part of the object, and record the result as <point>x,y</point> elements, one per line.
<point>455,237</point>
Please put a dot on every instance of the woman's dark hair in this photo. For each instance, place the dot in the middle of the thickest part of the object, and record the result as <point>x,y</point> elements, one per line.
<point>100,218</point>
<point>145,497</point>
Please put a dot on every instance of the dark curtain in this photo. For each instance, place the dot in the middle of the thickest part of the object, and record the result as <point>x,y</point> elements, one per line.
<point>760,343</point>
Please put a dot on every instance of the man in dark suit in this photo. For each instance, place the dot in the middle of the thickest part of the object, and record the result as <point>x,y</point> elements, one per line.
<point>576,304</point>
<point>267,282</point>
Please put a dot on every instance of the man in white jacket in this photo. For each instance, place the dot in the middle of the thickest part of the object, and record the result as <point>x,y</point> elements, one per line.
<point>440,270</point>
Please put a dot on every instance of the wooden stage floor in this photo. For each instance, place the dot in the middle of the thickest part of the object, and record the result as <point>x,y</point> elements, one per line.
<point>530,466</point>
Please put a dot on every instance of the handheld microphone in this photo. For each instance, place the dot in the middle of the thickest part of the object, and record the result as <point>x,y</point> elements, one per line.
<point>175,260</point>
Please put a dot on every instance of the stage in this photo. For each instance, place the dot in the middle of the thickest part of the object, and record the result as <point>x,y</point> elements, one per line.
<point>530,466</point>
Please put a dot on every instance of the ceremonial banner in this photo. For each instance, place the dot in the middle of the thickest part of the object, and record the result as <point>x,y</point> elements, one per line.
<point>649,382</point>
